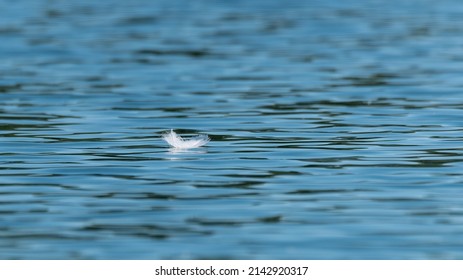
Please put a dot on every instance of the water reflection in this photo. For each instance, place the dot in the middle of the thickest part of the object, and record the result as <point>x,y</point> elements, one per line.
<point>175,151</point>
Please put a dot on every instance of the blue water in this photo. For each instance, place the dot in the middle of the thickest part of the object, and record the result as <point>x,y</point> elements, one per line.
<point>336,129</point>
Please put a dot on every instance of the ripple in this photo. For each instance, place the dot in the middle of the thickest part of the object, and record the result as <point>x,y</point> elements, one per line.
<point>335,127</point>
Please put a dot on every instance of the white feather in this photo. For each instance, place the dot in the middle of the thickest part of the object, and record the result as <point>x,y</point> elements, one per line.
<point>179,143</point>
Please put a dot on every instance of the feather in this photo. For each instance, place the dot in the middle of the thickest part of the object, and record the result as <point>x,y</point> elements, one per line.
<point>179,143</point>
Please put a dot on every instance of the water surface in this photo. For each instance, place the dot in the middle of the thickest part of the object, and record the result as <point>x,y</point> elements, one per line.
<point>336,129</point>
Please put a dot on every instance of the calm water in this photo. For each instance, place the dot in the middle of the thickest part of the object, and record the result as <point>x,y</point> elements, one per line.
<point>336,129</point>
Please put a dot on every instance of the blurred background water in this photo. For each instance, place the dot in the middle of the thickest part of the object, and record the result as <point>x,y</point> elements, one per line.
<point>336,129</point>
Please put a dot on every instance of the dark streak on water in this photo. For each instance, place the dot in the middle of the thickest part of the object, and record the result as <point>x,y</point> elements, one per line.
<point>336,129</point>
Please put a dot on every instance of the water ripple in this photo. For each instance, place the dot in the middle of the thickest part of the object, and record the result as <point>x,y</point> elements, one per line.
<point>335,130</point>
